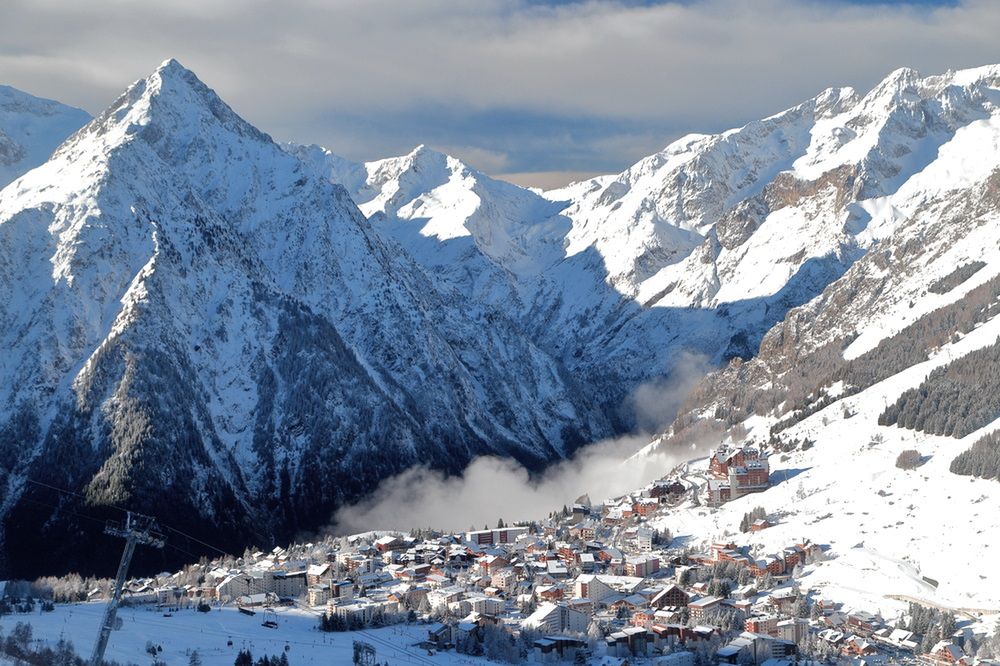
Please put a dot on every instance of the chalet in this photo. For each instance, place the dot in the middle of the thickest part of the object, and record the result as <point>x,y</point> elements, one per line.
<point>439,635</point>
<point>672,634</point>
<point>671,595</point>
<point>898,638</point>
<point>664,489</point>
<point>783,600</point>
<point>389,543</point>
<point>630,603</point>
<point>858,646</point>
<point>759,524</point>
<point>668,615</point>
<point>743,592</point>
<point>434,581</point>
<point>831,636</point>
<point>767,565</point>
<point>945,652</point>
<point>643,617</point>
<point>792,557</point>
<point>491,564</point>
<point>862,622</point>
<point>549,592</point>
<point>556,569</point>
<point>644,506</point>
<point>584,530</point>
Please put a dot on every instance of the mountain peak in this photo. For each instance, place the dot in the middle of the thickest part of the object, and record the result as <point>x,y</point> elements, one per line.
<point>172,76</point>
<point>171,105</point>
<point>172,65</point>
<point>422,155</point>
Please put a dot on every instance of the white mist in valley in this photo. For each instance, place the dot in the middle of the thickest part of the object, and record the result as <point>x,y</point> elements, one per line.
<point>491,488</point>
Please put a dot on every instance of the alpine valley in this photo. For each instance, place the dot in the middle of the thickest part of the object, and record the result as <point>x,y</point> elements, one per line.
<point>239,337</point>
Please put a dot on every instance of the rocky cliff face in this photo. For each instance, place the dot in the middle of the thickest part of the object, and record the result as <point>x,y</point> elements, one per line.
<point>203,330</point>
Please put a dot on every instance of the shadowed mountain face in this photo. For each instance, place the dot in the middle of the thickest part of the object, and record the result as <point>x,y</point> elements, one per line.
<point>204,327</point>
<point>203,330</point>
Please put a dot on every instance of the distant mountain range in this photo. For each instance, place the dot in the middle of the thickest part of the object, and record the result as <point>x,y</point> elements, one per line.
<point>239,337</point>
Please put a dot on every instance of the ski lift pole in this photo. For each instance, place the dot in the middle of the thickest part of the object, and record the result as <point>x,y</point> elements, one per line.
<point>137,529</point>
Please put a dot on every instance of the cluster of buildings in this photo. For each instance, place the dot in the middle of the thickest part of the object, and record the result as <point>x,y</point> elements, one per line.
<point>591,580</point>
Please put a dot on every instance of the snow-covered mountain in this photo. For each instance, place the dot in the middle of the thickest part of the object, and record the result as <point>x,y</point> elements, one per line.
<point>900,353</point>
<point>30,129</point>
<point>703,246</point>
<point>200,327</point>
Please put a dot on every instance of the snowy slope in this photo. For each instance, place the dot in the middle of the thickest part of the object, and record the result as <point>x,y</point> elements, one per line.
<point>211,633</point>
<point>932,211</point>
<point>200,327</point>
<point>30,129</point>
<point>887,528</point>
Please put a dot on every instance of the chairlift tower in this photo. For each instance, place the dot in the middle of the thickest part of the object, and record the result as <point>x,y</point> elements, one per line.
<point>138,529</point>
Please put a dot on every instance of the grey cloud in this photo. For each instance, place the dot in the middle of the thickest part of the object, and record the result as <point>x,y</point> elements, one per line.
<point>295,67</point>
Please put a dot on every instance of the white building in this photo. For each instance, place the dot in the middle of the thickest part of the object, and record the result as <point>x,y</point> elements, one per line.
<point>644,539</point>
<point>550,618</point>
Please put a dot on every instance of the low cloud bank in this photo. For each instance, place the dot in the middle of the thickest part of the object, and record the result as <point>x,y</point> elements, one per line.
<point>492,488</point>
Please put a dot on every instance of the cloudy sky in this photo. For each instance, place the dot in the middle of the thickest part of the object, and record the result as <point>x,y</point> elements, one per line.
<point>538,91</point>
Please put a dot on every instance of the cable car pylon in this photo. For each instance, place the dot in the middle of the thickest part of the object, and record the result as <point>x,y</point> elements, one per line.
<point>138,529</point>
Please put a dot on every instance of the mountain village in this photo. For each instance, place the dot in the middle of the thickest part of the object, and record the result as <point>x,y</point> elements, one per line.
<point>247,340</point>
<point>592,583</point>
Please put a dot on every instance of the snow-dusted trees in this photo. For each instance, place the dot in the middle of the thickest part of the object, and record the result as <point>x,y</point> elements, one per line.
<point>19,648</point>
<point>499,645</point>
<point>785,374</point>
<point>982,459</point>
<point>956,277</point>
<point>955,399</point>
<point>931,624</point>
